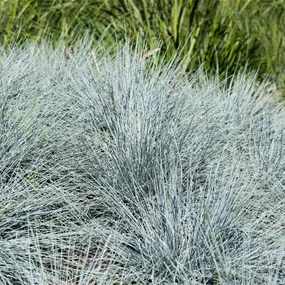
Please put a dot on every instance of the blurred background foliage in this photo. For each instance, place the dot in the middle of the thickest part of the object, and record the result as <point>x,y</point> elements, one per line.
<point>230,34</point>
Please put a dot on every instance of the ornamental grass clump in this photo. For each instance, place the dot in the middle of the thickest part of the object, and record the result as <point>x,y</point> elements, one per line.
<point>120,169</point>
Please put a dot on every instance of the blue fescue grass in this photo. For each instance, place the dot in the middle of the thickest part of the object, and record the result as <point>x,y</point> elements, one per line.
<point>119,168</point>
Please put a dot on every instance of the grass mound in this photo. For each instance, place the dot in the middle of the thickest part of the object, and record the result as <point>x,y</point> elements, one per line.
<point>118,169</point>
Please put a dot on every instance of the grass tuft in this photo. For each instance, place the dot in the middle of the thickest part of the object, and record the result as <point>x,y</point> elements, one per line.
<point>118,172</point>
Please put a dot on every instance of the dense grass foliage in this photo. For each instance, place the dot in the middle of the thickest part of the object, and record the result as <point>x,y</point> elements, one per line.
<point>229,34</point>
<point>116,169</point>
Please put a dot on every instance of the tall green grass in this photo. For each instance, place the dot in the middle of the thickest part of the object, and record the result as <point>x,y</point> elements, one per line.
<point>230,34</point>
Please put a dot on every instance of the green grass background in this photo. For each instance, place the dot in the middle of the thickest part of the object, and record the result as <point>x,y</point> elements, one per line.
<point>225,33</point>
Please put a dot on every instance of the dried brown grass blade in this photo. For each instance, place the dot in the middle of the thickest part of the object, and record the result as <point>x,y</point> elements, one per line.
<point>150,53</point>
<point>96,63</point>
